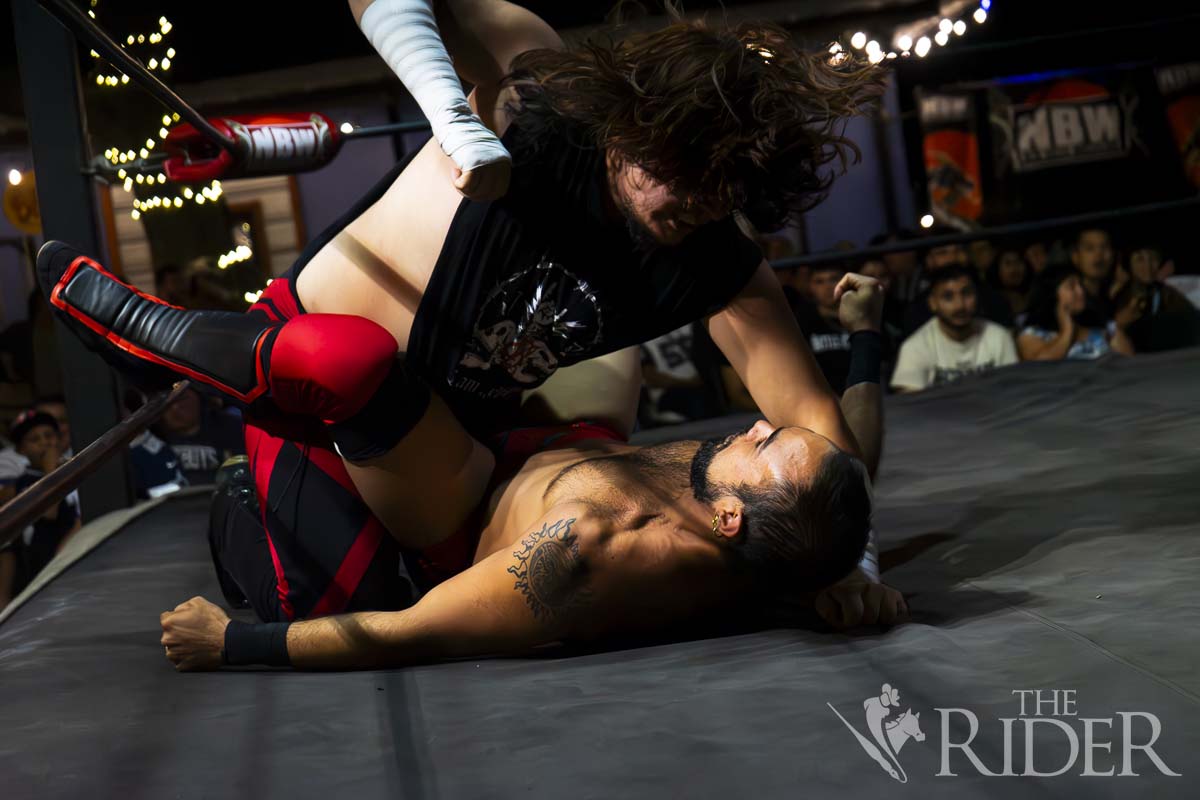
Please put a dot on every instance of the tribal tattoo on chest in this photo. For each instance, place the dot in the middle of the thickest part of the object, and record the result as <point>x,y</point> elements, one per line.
<point>549,571</point>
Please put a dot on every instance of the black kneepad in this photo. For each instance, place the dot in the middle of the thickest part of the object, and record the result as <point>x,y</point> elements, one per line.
<point>391,413</point>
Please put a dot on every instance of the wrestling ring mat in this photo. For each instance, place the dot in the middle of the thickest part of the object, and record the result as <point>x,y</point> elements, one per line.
<point>1042,520</point>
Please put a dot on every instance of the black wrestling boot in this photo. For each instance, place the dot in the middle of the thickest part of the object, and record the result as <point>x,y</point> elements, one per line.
<point>148,340</point>
<point>234,512</point>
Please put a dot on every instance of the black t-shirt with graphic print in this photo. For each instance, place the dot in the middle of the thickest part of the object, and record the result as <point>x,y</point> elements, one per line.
<point>542,278</point>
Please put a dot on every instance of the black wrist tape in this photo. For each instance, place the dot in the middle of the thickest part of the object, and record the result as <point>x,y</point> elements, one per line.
<point>866,353</point>
<point>248,643</point>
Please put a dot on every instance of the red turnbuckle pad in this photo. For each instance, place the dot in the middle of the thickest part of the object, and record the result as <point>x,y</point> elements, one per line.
<point>265,144</point>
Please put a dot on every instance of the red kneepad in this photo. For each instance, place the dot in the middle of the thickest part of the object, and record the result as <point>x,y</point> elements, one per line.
<point>329,365</point>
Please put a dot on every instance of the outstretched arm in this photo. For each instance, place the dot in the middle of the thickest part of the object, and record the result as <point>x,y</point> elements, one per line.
<point>534,594</point>
<point>758,333</point>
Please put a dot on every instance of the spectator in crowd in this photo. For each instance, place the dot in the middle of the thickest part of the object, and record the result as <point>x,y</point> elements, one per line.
<point>1093,257</point>
<point>991,303</point>
<point>674,390</point>
<point>1059,325</point>
<point>819,323</point>
<point>1168,321</point>
<point>1037,255</point>
<point>983,256</point>
<point>201,435</point>
<point>157,468</point>
<point>35,436</point>
<point>893,311</point>
<point>1011,276</point>
<point>902,265</point>
<point>955,342</point>
<point>56,406</point>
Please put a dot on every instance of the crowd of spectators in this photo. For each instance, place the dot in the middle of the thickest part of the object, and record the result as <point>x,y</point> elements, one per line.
<point>955,310</point>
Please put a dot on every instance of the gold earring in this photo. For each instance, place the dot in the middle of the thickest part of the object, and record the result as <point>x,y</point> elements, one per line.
<point>716,524</point>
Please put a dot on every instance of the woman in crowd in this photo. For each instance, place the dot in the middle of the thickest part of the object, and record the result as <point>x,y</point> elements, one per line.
<point>1059,326</point>
<point>1011,276</point>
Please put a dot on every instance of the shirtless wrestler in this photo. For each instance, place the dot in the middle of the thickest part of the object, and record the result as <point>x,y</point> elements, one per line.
<point>593,537</point>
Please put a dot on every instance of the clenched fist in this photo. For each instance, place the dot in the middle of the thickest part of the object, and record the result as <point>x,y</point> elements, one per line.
<point>488,182</point>
<point>194,635</point>
<point>860,302</point>
<point>854,601</point>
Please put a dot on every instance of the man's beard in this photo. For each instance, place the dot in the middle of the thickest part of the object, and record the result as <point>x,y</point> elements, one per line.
<point>702,488</point>
<point>953,325</point>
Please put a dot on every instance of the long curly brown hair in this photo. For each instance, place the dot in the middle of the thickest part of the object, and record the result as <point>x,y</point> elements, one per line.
<point>740,117</point>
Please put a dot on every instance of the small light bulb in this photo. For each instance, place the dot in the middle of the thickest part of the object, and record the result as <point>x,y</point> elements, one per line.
<point>179,202</point>
<point>200,199</point>
<point>980,16</point>
<point>960,28</point>
<point>152,63</point>
<point>141,39</point>
<point>905,42</point>
<point>858,40</point>
<point>162,178</point>
<point>927,221</point>
<point>922,46</point>
<point>873,46</point>
<point>346,127</point>
<point>130,39</point>
<point>122,174</point>
<point>14,177</point>
<point>135,214</point>
<point>945,25</point>
<point>166,63</point>
<point>175,116</point>
<point>166,28</point>
<point>941,38</point>
<point>170,52</point>
<point>875,56</point>
<point>123,158</point>
<point>187,192</point>
<point>144,153</point>
<point>95,54</point>
<point>99,80</point>
<point>129,184</point>
<point>163,133</point>
<point>140,178</point>
<point>124,79</point>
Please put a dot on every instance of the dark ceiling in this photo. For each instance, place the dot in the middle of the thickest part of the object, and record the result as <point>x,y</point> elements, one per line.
<point>222,38</point>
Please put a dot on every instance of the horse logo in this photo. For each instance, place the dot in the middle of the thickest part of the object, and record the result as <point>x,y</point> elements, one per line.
<point>889,733</point>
